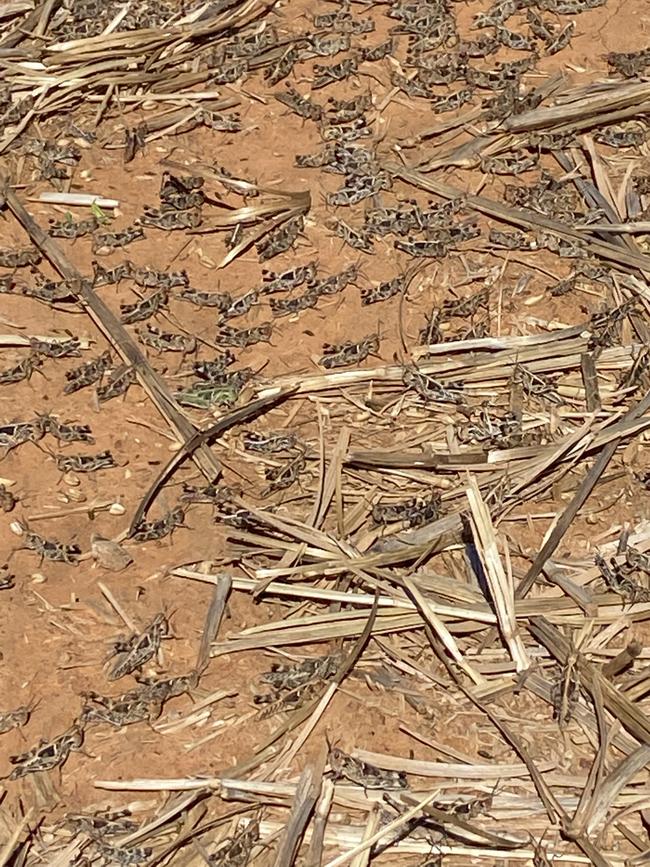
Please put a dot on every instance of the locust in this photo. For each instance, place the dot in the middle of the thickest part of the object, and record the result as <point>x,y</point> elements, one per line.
<point>133,652</point>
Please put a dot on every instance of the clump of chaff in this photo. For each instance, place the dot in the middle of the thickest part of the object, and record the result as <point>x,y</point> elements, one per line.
<point>48,76</point>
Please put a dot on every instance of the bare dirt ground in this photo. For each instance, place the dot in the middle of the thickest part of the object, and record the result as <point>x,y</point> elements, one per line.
<point>422,685</point>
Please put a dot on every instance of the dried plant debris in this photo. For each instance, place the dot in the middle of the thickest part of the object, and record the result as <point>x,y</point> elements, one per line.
<point>88,19</point>
<point>364,501</point>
